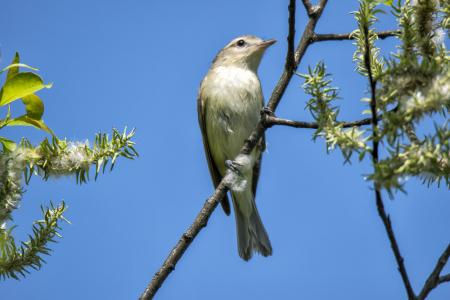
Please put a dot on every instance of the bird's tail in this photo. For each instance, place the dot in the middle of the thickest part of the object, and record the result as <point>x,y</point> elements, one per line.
<point>251,234</point>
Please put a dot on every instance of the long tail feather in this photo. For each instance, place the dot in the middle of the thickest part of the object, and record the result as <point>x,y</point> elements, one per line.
<point>251,234</point>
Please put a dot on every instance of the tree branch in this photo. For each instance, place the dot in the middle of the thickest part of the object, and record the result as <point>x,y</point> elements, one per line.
<point>305,41</point>
<point>209,206</point>
<point>394,245</point>
<point>290,55</point>
<point>348,36</point>
<point>308,7</point>
<point>411,133</point>
<point>272,120</point>
<point>434,280</point>
<point>445,278</point>
<point>186,239</point>
<point>375,144</point>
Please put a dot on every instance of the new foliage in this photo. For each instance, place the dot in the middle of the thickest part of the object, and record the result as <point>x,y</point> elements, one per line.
<point>51,158</point>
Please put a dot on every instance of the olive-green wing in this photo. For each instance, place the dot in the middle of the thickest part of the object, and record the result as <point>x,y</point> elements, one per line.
<point>214,171</point>
<point>261,146</point>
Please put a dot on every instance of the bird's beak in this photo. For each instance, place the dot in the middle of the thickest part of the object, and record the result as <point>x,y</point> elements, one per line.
<point>267,43</point>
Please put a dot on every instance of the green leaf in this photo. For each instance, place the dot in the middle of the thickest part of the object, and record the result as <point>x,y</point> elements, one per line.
<point>21,85</point>
<point>27,121</point>
<point>8,145</point>
<point>34,106</point>
<point>14,70</point>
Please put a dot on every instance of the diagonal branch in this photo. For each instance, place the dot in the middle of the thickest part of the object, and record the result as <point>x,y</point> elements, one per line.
<point>434,280</point>
<point>186,239</point>
<point>375,144</point>
<point>305,41</point>
<point>411,133</point>
<point>308,7</point>
<point>348,36</point>
<point>209,206</point>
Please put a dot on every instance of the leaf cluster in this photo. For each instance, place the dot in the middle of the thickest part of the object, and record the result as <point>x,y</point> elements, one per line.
<point>22,86</point>
<point>318,85</point>
<point>366,17</point>
<point>50,158</point>
<point>412,86</point>
<point>16,259</point>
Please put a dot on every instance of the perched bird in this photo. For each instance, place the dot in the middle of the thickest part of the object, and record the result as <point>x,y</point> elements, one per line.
<point>229,106</point>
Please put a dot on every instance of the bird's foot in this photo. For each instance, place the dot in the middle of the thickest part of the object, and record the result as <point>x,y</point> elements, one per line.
<point>234,178</point>
<point>266,111</point>
<point>233,166</point>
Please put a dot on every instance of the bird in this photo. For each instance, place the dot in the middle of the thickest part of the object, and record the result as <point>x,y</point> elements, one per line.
<point>229,107</point>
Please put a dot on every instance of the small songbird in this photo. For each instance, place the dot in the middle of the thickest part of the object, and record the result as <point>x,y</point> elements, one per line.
<point>229,106</point>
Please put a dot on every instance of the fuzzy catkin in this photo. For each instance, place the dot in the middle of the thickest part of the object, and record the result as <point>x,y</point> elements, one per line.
<point>12,165</point>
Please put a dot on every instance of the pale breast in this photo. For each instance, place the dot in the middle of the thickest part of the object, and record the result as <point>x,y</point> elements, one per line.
<point>232,110</point>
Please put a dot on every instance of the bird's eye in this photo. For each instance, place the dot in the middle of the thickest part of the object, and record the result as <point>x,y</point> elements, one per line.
<point>240,43</point>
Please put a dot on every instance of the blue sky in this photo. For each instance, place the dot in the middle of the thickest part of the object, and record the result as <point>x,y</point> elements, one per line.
<point>139,64</point>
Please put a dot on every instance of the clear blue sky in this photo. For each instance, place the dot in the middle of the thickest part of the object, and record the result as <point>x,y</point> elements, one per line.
<point>139,64</point>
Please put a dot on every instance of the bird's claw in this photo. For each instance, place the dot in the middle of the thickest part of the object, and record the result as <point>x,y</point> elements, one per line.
<point>233,166</point>
<point>266,111</point>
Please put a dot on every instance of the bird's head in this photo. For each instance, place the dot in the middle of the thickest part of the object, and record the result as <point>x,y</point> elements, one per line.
<point>244,51</point>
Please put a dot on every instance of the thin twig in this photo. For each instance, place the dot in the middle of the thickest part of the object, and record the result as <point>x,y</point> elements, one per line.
<point>434,280</point>
<point>272,120</point>
<point>394,245</point>
<point>444,278</point>
<point>305,41</point>
<point>202,218</point>
<point>375,144</point>
<point>411,133</point>
<point>348,36</point>
<point>308,7</point>
<point>290,55</point>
